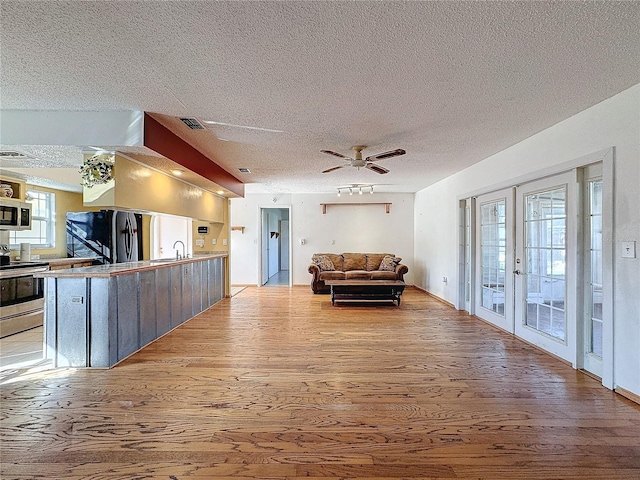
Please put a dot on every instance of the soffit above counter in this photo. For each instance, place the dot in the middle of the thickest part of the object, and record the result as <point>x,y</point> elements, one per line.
<point>169,137</point>
<point>52,140</point>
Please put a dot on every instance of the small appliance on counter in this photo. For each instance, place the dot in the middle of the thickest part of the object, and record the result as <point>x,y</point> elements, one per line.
<point>5,259</point>
<point>25,252</point>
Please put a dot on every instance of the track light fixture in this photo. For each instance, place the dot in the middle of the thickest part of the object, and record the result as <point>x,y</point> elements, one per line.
<point>359,187</point>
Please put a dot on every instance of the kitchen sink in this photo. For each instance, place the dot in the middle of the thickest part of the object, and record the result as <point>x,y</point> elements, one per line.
<point>163,260</point>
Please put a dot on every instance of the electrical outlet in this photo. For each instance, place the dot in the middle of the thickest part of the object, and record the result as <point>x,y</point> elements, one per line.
<point>445,280</point>
<point>214,241</point>
<point>199,242</point>
<point>224,241</point>
<point>333,242</point>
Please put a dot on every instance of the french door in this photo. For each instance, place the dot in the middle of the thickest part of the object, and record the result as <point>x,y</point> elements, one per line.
<point>494,259</point>
<point>525,265</point>
<point>593,277</point>
<point>545,264</point>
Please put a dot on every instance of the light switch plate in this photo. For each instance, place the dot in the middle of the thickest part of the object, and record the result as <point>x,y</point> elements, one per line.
<point>200,242</point>
<point>628,249</point>
<point>224,241</point>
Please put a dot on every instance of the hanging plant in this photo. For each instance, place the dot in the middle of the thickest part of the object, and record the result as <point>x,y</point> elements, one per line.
<point>97,170</point>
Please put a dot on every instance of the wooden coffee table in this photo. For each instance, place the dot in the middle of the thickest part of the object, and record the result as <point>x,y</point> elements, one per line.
<point>365,290</point>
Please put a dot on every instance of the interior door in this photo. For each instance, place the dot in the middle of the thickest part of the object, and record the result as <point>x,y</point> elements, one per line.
<point>265,247</point>
<point>274,242</point>
<point>284,245</point>
<point>494,258</point>
<point>546,264</point>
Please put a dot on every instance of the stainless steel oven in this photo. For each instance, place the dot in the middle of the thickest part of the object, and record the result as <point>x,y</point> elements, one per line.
<point>21,297</point>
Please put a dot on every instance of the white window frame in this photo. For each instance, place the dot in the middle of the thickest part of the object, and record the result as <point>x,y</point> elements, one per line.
<point>21,236</point>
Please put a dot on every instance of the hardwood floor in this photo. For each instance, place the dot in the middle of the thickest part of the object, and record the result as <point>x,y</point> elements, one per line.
<point>277,383</point>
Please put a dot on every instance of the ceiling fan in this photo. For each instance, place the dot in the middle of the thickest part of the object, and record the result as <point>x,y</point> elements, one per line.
<point>358,161</point>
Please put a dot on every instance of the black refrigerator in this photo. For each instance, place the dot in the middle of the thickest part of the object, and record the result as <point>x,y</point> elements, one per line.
<point>107,236</point>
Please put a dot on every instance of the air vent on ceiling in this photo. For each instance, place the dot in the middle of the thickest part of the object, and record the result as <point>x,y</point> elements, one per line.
<point>244,170</point>
<point>192,123</point>
<point>12,154</point>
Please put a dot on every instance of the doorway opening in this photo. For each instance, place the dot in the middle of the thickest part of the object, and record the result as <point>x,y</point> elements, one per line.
<point>275,248</point>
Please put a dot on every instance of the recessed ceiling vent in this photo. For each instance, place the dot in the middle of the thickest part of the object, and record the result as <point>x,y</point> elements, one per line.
<point>244,170</point>
<point>192,123</point>
<point>12,154</point>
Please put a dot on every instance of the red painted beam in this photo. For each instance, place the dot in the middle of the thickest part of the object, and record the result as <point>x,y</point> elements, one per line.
<point>160,139</point>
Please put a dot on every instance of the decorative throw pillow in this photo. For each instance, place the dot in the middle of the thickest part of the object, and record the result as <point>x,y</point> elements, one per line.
<point>389,263</point>
<point>324,263</point>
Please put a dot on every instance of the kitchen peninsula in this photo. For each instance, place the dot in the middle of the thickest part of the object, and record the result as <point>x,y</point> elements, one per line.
<point>97,316</point>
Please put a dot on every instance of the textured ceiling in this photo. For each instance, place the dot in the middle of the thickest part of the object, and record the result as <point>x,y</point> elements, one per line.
<point>450,82</point>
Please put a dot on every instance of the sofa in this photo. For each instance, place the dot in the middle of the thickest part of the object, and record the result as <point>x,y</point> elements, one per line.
<point>354,266</point>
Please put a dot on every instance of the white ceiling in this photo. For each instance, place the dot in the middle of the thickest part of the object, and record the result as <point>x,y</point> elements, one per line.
<point>450,82</point>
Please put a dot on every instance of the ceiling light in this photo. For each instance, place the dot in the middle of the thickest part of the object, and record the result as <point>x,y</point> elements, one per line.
<point>244,170</point>
<point>177,172</point>
<point>220,192</point>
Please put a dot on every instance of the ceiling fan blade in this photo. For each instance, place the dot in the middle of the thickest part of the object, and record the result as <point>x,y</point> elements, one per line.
<point>376,168</point>
<point>382,156</point>
<point>333,168</point>
<point>329,152</point>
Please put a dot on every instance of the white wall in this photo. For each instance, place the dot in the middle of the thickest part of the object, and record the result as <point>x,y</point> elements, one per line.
<point>365,228</point>
<point>612,123</point>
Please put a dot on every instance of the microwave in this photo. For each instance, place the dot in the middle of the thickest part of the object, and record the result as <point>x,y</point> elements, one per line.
<point>14,215</point>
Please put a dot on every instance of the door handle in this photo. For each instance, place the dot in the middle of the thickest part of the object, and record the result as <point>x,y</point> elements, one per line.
<point>517,272</point>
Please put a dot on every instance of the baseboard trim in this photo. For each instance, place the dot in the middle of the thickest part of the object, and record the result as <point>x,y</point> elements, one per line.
<point>628,395</point>
<point>436,297</point>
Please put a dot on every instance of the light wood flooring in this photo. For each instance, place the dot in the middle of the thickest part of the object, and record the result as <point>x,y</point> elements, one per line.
<point>275,383</point>
<point>20,350</point>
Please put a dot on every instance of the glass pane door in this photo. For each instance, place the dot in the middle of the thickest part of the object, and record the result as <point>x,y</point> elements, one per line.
<point>545,263</point>
<point>494,259</point>
<point>593,311</point>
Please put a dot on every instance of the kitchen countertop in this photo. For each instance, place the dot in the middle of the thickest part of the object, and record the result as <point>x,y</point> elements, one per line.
<point>126,267</point>
<point>64,261</point>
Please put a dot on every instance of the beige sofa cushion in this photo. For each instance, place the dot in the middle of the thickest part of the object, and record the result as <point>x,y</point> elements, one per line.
<point>374,260</point>
<point>357,275</point>
<point>354,261</point>
<point>383,275</point>
<point>332,275</point>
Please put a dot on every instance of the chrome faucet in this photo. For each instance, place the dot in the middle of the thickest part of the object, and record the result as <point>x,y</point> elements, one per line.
<point>177,252</point>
